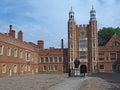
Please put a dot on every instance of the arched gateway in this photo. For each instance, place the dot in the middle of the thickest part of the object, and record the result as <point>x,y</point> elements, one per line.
<point>83,69</point>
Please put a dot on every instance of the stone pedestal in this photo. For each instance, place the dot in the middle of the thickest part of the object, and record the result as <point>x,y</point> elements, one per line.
<point>76,72</point>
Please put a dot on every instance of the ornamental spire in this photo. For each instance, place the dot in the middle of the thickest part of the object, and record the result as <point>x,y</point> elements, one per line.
<point>92,14</point>
<point>71,15</point>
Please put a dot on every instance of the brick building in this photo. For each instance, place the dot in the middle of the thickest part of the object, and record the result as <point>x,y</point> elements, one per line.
<point>19,58</point>
<point>52,59</point>
<point>83,46</point>
<point>109,55</point>
<point>83,42</point>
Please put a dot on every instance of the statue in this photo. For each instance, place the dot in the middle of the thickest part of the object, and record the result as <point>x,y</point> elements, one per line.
<point>76,63</point>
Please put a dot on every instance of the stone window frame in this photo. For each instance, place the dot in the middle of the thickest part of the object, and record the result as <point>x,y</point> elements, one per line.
<point>114,67</point>
<point>1,49</point>
<point>20,54</point>
<point>4,67</point>
<point>15,68</point>
<point>42,59</point>
<point>44,68</point>
<point>113,58</point>
<point>103,56</point>
<point>15,52</point>
<point>46,59</point>
<point>60,59</point>
<point>8,51</point>
<point>51,60</point>
<point>56,59</point>
<point>101,67</point>
<point>116,44</point>
<point>83,54</point>
<point>22,68</point>
<point>83,43</point>
<point>55,68</point>
<point>28,55</point>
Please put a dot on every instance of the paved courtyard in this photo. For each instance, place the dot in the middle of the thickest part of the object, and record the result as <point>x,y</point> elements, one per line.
<point>98,81</point>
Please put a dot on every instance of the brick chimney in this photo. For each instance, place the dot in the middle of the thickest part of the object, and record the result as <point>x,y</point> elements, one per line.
<point>20,35</point>
<point>11,32</point>
<point>40,44</point>
<point>62,44</point>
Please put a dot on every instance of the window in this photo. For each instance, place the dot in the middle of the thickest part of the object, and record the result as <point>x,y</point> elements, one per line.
<point>49,68</point>
<point>83,43</point>
<point>60,59</point>
<point>55,59</point>
<point>55,67</point>
<point>1,50</point>
<point>8,51</point>
<point>116,44</point>
<point>51,59</point>
<point>42,60</point>
<point>101,56</point>
<point>4,68</point>
<point>44,68</point>
<point>27,56</point>
<point>46,59</point>
<point>113,67</point>
<point>83,54</point>
<point>15,68</point>
<point>22,68</point>
<point>101,66</point>
<point>113,56</point>
<point>20,54</point>
<point>15,52</point>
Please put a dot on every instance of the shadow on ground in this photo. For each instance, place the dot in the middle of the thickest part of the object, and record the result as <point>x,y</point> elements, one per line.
<point>113,78</point>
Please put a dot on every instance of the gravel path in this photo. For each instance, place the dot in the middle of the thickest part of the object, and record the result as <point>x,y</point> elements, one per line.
<point>61,82</point>
<point>72,83</point>
<point>32,82</point>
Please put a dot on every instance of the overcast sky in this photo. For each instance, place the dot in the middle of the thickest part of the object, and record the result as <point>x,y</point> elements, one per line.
<point>47,19</point>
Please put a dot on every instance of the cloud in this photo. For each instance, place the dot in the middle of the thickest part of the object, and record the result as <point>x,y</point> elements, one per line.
<point>47,19</point>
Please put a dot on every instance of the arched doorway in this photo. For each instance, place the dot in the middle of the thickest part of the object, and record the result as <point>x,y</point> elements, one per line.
<point>83,69</point>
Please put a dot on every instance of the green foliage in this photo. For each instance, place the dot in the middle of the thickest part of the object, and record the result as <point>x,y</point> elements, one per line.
<point>105,34</point>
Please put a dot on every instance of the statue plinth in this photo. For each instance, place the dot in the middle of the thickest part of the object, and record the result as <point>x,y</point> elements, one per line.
<point>76,72</point>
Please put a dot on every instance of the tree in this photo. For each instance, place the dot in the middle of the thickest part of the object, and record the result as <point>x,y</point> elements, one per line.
<point>105,34</point>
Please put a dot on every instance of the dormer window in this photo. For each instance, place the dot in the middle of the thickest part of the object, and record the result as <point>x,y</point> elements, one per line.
<point>116,44</point>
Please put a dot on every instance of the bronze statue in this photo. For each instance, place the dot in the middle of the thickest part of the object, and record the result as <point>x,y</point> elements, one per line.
<point>76,63</point>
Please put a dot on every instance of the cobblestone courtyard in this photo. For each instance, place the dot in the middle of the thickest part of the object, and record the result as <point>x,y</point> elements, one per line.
<point>98,81</point>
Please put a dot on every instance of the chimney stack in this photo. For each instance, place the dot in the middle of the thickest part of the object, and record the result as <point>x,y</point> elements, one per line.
<point>11,32</point>
<point>40,44</point>
<point>62,44</point>
<point>20,35</point>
